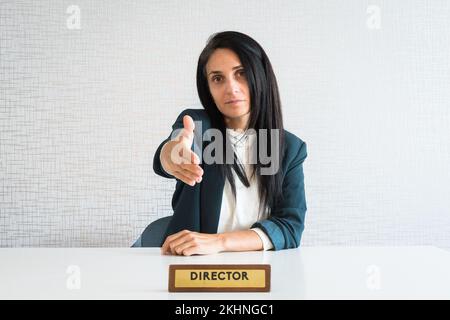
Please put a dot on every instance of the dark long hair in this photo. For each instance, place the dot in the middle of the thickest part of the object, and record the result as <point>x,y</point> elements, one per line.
<point>265,108</point>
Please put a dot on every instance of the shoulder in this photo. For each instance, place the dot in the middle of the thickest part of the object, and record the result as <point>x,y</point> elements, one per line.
<point>198,115</point>
<point>295,150</point>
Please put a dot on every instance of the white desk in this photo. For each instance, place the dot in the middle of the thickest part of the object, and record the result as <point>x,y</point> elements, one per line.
<point>305,273</point>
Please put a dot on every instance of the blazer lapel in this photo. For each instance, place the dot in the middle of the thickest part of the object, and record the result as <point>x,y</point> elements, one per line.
<point>211,198</point>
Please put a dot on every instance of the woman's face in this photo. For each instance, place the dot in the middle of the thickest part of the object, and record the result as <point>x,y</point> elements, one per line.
<point>228,84</point>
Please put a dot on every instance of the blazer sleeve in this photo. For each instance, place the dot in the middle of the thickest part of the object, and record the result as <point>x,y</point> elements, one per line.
<point>285,224</point>
<point>157,166</point>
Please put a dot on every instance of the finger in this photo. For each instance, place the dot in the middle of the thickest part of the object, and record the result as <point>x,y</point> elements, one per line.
<point>177,235</point>
<point>174,245</point>
<point>164,248</point>
<point>172,237</point>
<point>165,251</point>
<point>189,174</point>
<point>189,156</point>
<point>189,251</point>
<point>182,248</point>
<point>185,136</point>
<point>180,176</point>
<point>181,154</point>
<point>193,168</point>
<point>194,158</point>
<point>188,123</point>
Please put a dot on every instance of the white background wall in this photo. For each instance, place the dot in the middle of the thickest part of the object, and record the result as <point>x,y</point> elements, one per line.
<point>364,83</point>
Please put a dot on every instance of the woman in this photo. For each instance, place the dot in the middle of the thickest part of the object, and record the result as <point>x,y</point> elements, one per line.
<point>223,206</point>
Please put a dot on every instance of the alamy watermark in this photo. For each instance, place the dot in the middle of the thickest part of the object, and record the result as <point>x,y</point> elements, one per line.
<point>73,281</point>
<point>214,151</point>
<point>373,280</point>
<point>73,22</point>
<point>373,21</point>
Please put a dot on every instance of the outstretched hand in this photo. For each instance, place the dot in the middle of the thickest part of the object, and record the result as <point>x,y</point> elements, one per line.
<point>178,159</point>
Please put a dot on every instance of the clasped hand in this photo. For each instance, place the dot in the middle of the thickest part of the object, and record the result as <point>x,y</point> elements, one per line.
<point>188,243</point>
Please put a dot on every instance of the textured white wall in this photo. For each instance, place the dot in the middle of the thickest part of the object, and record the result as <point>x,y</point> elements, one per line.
<point>364,83</point>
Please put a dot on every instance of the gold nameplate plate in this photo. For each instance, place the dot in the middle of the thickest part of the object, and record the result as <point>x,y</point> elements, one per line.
<point>219,277</point>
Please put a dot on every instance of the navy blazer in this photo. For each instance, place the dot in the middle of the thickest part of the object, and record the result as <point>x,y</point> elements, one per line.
<point>197,208</point>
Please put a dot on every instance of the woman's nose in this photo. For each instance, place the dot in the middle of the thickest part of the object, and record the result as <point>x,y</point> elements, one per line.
<point>233,86</point>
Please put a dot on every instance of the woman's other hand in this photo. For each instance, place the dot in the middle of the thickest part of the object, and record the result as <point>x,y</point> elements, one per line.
<point>188,243</point>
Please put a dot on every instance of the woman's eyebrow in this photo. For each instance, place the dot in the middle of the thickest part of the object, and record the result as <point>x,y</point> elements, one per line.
<point>234,68</point>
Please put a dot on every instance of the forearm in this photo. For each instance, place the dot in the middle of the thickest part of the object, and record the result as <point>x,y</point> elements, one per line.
<point>162,158</point>
<point>157,164</point>
<point>246,240</point>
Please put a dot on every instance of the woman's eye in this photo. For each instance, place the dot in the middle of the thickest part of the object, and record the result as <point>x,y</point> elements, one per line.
<point>216,79</point>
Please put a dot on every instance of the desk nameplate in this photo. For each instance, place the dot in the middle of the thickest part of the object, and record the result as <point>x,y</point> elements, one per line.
<point>219,277</point>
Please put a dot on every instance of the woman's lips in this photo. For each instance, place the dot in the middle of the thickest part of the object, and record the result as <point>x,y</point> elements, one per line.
<point>234,101</point>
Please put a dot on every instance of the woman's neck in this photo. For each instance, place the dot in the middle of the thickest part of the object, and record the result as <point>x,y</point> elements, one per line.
<point>238,123</point>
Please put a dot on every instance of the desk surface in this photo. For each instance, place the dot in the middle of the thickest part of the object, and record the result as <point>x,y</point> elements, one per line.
<point>305,273</point>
